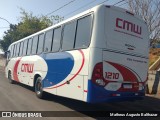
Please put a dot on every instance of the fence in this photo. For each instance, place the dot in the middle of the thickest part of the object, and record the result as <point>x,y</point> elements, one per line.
<point>153,82</point>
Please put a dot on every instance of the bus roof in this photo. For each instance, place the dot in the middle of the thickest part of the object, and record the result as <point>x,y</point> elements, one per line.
<point>93,9</point>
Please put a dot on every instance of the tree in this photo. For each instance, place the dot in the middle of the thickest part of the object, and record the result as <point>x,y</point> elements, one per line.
<point>8,38</point>
<point>28,25</point>
<point>31,24</point>
<point>149,10</point>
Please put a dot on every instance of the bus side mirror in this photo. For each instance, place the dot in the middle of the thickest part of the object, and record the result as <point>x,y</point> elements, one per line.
<point>7,53</point>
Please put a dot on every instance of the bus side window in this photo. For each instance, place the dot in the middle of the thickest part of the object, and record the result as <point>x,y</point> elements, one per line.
<point>34,45</point>
<point>48,41</point>
<point>56,40</point>
<point>11,51</point>
<point>29,46</point>
<point>40,44</point>
<point>12,54</point>
<point>8,53</point>
<point>69,36</point>
<point>83,35</point>
<point>17,50</point>
<point>21,49</point>
<point>25,47</point>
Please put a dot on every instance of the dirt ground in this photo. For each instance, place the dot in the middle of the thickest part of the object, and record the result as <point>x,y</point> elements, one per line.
<point>2,61</point>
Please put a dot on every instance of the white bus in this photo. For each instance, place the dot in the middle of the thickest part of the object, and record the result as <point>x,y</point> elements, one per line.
<point>100,55</point>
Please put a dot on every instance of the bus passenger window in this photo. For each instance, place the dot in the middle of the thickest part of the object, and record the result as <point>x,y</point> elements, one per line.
<point>56,40</point>
<point>29,46</point>
<point>83,35</point>
<point>34,44</point>
<point>11,52</point>
<point>15,48</point>
<point>25,47</point>
<point>21,49</point>
<point>17,51</point>
<point>68,36</point>
<point>48,41</point>
<point>40,43</point>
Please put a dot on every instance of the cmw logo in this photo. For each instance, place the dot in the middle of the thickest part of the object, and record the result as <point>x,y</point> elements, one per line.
<point>129,26</point>
<point>26,67</point>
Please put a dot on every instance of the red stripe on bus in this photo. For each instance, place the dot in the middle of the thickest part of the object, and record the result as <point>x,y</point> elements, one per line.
<point>15,70</point>
<point>85,90</point>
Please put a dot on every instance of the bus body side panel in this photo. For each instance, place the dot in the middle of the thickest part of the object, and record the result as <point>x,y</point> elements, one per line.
<point>67,73</point>
<point>10,66</point>
<point>23,69</point>
<point>30,66</point>
<point>63,73</point>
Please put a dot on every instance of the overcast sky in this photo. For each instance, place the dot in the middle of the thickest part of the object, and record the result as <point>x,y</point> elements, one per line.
<point>9,9</point>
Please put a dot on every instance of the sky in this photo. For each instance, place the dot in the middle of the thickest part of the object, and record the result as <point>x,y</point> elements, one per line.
<point>10,9</point>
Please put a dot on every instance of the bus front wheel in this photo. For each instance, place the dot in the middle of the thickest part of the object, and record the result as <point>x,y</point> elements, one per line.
<point>38,88</point>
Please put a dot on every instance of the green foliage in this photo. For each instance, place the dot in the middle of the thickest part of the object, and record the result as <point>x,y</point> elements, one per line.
<point>31,24</point>
<point>8,38</point>
<point>28,25</point>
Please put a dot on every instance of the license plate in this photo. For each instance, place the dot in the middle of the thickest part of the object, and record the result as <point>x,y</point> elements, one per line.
<point>127,86</point>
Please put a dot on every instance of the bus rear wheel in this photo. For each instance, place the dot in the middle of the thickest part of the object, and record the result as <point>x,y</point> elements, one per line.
<point>10,77</point>
<point>39,88</point>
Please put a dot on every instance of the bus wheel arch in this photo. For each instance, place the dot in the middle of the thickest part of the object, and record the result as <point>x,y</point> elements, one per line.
<point>35,78</point>
<point>10,77</point>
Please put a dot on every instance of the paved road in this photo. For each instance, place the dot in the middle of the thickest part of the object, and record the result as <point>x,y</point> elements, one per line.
<point>17,97</point>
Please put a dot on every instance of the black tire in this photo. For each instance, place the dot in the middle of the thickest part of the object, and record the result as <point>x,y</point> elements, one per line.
<point>38,88</point>
<point>10,78</point>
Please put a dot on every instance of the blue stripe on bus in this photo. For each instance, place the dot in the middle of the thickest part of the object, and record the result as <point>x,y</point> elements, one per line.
<point>99,94</point>
<point>59,67</point>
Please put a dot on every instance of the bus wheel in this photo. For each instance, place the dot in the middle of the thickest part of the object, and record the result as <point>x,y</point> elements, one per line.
<point>10,78</point>
<point>38,88</point>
